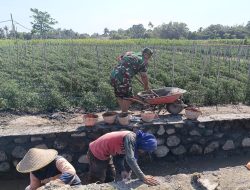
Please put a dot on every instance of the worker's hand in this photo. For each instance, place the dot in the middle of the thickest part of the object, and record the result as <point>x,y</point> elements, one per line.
<point>150,180</point>
<point>119,58</point>
<point>148,91</point>
<point>126,175</point>
<point>146,88</point>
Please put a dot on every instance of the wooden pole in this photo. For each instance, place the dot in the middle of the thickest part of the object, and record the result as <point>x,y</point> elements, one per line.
<point>13,26</point>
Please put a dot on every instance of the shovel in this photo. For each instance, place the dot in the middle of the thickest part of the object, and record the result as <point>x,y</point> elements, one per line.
<point>149,89</point>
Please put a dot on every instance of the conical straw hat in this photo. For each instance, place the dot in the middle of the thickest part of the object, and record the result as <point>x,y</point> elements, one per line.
<point>36,159</point>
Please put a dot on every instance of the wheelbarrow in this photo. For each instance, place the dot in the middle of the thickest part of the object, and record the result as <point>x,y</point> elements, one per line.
<point>167,97</point>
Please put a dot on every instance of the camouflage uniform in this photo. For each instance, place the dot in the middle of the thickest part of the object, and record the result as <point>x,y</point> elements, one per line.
<point>129,65</point>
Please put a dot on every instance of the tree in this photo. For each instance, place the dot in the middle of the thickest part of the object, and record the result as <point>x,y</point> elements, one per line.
<point>95,35</point>
<point>6,31</point>
<point>137,31</point>
<point>106,32</point>
<point>248,28</point>
<point>83,36</point>
<point>172,30</point>
<point>42,22</point>
<point>239,31</point>
<point>200,29</point>
<point>2,33</point>
<point>215,31</point>
<point>150,25</point>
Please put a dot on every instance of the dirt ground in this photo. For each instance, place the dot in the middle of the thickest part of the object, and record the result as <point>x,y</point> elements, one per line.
<point>220,172</point>
<point>71,118</point>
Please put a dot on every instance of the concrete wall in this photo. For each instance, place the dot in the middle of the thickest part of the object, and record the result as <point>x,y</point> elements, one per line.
<point>175,139</point>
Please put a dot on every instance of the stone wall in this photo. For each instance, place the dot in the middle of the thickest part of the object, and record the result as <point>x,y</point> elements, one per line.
<point>175,139</point>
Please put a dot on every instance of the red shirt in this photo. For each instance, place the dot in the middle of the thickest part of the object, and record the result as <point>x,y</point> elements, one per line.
<point>108,145</point>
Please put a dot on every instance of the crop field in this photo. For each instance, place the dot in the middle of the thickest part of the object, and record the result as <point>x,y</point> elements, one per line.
<point>61,74</point>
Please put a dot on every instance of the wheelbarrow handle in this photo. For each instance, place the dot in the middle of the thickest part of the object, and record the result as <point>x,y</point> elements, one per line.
<point>136,100</point>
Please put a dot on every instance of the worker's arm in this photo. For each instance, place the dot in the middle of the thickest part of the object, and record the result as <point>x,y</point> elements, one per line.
<point>144,78</point>
<point>129,144</point>
<point>68,171</point>
<point>34,183</point>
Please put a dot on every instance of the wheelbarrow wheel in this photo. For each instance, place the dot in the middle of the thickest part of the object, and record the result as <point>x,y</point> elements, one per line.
<point>174,108</point>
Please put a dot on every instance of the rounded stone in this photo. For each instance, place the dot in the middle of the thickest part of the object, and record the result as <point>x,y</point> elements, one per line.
<point>161,130</point>
<point>194,133</point>
<point>160,141</point>
<point>19,152</point>
<point>229,145</point>
<point>208,132</point>
<point>3,156</point>
<point>211,147</point>
<point>246,142</point>
<point>179,150</point>
<point>15,162</point>
<point>195,149</point>
<point>201,126</point>
<point>173,141</point>
<point>170,131</point>
<point>34,139</point>
<point>21,140</point>
<point>161,151</point>
<point>178,125</point>
<point>4,167</point>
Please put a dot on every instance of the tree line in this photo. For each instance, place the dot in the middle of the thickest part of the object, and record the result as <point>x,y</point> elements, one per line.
<point>42,27</point>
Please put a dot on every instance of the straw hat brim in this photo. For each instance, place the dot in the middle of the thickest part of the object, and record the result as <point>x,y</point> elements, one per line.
<point>36,159</point>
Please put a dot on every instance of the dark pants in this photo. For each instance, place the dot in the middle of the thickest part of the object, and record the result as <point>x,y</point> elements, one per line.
<point>102,171</point>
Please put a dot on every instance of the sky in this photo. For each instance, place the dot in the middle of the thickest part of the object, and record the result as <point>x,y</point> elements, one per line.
<point>92,16</point>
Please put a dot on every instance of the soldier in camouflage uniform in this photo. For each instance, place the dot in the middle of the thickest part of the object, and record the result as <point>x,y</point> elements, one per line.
<point>129,64</point>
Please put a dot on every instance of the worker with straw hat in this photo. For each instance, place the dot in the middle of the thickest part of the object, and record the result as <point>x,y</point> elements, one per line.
<point>45,165</point>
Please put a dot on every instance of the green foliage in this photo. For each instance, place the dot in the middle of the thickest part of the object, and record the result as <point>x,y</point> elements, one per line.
<point>247,97</point>
<point>122,42</point>
<point>10,94</point>
<point>42,22</point>
<point>51,100</point>
<point>14,97</point>
<point>106,95</point>
<point>89,101</point>
<point>57,74</point>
